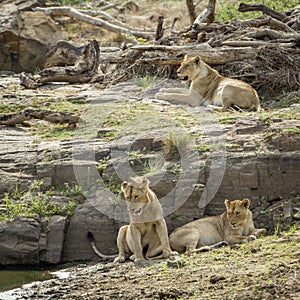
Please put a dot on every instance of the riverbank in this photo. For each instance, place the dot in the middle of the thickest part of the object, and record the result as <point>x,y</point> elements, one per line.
<point>267,268</point>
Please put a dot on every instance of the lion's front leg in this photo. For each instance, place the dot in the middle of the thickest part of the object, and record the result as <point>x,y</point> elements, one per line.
<point>161,229</point>
<point>136,240</point>
<point>183,91</point>
<point>239,239</point>
<point>190,99</point>
<point>183,98</point>
<point>257,231</point>
<point>122,244</point>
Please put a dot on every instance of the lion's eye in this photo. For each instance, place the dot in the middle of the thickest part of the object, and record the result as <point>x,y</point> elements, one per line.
<point>237,213</point>
<point>135,197</point>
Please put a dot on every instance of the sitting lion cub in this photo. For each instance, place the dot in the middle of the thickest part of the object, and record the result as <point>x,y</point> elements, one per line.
<point>234,226</point>
<point>209,88</point>
<point>147,225</point>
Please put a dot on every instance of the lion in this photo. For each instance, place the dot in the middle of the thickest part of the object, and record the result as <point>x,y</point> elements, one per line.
<point>209,88</point>
<point>147,231</point>
<point>234,226</point>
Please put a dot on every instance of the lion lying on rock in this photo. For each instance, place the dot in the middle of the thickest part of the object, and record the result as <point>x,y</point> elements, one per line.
<point>209,88</point>
<point>234,226</point>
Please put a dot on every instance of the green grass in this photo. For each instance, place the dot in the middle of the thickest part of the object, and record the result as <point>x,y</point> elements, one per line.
<point>145,81</point>
<point>33,202</point>
<point>203,148</point>
<point>228,10</point>
<point>11,108</point>
<point>292,130</point>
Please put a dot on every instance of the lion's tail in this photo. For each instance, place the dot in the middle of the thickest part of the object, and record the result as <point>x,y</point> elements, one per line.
<point>91,239</point>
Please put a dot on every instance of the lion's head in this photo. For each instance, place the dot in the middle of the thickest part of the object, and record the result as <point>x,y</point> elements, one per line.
<point>237,212</point>
<point>142,203</point>
<point>191,67</point>
<point>136,194</point>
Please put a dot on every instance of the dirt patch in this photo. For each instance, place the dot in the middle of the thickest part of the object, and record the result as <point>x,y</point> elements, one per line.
<point>268,268</point>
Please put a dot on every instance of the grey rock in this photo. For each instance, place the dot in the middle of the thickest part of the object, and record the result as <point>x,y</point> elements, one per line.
<point>19,241</point>
<point>24,45</point>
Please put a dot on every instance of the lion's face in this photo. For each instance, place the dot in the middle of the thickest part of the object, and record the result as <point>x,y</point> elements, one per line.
<point>136,194</point>
<point>237,212</point>
<point>190,68</point>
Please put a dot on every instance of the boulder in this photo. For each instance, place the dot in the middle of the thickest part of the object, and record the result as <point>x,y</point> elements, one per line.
<point>26,36</point>
<point>88,217</point>
<point>19,242</point>
<point>54,237</point>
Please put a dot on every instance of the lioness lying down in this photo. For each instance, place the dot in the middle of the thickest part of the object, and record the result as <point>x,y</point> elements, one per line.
<point>209,88</point>
<point>234,226</point>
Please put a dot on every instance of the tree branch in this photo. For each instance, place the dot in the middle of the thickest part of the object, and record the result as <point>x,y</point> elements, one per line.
<point>74,13</point>
<point>243,7</point>
<point>191,9</point>
<point>31,113</point>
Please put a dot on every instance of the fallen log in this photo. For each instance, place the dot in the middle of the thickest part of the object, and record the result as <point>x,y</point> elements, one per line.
<point>79,16</point>
<point>173,55</point>
<point>263,21</point>
<point>12,119</point>
<point>275,36</point>
<point>84,70</point>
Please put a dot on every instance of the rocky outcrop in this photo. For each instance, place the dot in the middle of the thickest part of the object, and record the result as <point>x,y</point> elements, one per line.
<point>243,156</point>
<point>32,241</point>
<point>19,242</point>
<point>26,36</point>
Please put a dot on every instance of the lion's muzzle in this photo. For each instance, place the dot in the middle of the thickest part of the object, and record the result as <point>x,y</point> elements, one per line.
<point>183,77</point>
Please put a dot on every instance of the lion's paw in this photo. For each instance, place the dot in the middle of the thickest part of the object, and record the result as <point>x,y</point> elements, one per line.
<point>119,259</point>
<point>251,238</point>
<point>132,257</point>
<point>167,254</point>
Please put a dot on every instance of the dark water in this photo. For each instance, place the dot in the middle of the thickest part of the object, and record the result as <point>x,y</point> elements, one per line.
<point>10,279</point>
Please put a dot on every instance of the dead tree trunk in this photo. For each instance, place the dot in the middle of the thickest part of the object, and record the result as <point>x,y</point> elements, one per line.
<point>191,8</point>
<point>207,16</point>
<point>159,30</point>
<point>84,70</point>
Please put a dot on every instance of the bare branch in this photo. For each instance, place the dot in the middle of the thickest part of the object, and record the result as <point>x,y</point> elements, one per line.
<point>264,8</point>
<point>74,13</point>
<point>32,113</point>
<point>191,9</point>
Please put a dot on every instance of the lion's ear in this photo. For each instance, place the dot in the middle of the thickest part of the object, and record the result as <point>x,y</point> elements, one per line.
<point>227,203</point>
<point>124,186</point>
<point>145,183</point>
<point>197,60</point>
<point>246,203</point>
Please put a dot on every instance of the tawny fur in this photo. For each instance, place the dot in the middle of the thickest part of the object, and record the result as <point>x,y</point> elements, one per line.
<point>209,88</point>
<point>234,226</point>
<point>147,225</point>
